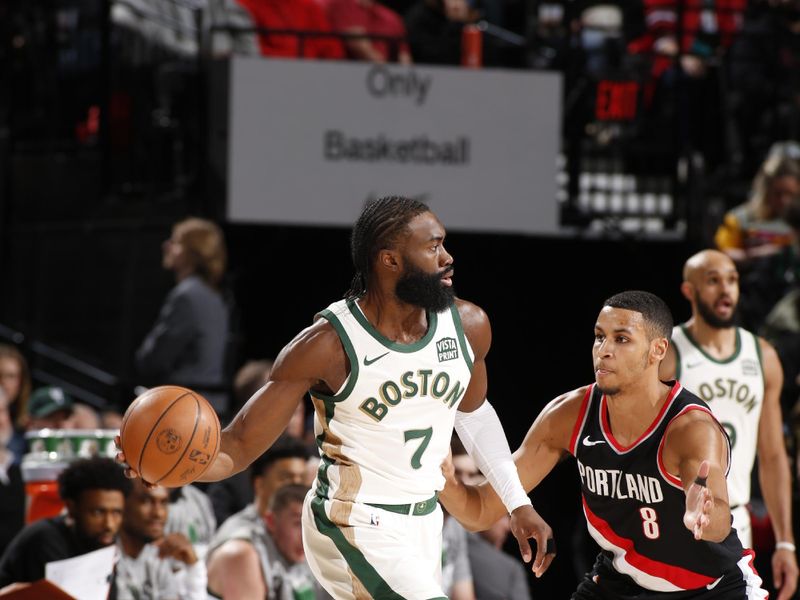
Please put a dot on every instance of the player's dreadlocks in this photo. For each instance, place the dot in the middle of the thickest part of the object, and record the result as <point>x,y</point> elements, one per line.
<point>378,227</point>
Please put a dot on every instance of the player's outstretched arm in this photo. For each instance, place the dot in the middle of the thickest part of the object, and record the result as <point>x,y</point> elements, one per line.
<point>314,357</point>
<point>697,451</point>
<point>774,475</point>
<point>478,507</point>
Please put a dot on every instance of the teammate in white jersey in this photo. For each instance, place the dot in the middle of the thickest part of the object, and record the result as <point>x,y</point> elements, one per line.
<point>739,375</point>
<point>391,369</point>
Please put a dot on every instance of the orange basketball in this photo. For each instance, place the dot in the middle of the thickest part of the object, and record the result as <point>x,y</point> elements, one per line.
<point>170,435</point>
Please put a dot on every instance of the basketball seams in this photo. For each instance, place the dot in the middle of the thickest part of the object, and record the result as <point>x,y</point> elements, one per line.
<point>155,426</point>
<point>197,414</point>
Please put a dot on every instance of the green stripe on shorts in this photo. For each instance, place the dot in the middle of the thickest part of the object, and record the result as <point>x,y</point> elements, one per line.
<point>365,572</point>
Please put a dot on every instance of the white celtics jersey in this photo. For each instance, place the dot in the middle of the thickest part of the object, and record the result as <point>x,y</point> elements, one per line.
<point>384,434</point>
<point>734,391</point>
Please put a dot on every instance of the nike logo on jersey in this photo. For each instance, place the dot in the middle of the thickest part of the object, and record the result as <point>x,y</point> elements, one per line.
<point>693,365</point>
<point>369,361</point>
<point>711,586</point>
<point>588,442</point>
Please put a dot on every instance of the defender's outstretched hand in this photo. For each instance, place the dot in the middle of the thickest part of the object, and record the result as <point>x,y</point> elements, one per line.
<point>699,503</point>
<point>525,524</point>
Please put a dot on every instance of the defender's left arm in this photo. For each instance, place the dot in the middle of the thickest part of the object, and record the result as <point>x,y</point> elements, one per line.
<point>479,429</point>
<point>774,475</point>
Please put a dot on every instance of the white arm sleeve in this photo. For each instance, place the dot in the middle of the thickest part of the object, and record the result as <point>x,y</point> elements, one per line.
<point>482,435</point>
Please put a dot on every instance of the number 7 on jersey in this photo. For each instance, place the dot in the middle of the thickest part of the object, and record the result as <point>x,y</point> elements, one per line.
<point>418,434</point>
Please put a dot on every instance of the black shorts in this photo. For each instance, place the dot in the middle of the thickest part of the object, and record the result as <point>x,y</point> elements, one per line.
<point>604,582</point>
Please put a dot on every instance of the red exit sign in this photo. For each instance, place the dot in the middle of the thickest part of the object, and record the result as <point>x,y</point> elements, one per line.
<point>616,100</point>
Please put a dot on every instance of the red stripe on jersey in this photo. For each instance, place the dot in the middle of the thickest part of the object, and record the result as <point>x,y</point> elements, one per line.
<point>678,576</point>
<point>576,430</point>
<point>606,426</point>
<point>669,477</point>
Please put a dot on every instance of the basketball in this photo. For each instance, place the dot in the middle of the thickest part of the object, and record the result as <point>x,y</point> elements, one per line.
<point>170,435</point>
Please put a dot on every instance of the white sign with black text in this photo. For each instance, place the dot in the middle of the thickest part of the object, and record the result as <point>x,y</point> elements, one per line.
<point>309,142</point>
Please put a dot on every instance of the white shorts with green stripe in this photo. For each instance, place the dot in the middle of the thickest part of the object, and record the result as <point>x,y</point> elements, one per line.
<point>358,551</point>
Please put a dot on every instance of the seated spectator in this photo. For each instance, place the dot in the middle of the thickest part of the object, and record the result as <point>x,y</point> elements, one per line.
<point>758,236</point>
<point>371,18</point>
<point>149,557</point>
<point>285,462</point>
<point>434,30</point>
<point>496,575</point>
<point>83,417</point>
<point>456,570</point>
<point>757,228</point>
<point>12,488</point>
<point>49,407</point>
<point>258,552</point>
<point>93,491</point>
<point>296,15</point>
<point>191,514</point>
<point>15,379</point>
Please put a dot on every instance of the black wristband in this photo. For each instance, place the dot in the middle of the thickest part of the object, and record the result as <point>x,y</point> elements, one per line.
<point>550,546</point>
<point>701,481</point>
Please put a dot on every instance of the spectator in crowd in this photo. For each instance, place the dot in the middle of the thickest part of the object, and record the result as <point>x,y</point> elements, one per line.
<point>50,407</point>
<point>15,379</point>
<point>757,236</point>
<point>258,552</point>
<point>757,228</point>
<point>155,564</point>
<point>370,18</point>
<point>187,345</point>
<point>434,30</point>
<point>294,15</point>
<point>191,514</point>
<point>456,572</point>
<point>496,575</point>
<point>282,464</point>
<point>84,417</point>
<point>12,488</point>
<point>93,491</point>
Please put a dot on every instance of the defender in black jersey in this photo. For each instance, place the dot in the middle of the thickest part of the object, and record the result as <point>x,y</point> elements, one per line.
<point>652,462</point>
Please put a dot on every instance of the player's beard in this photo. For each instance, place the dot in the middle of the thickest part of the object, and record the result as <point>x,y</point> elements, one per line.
<point>423,289</point>
<point>707,312</point>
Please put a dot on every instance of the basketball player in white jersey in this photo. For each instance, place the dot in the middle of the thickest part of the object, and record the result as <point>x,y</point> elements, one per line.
<point>391,369</point>
<point>739,376</point>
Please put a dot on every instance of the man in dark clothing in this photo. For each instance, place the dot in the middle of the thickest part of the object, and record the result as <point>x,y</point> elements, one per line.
<point>94,493</point>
